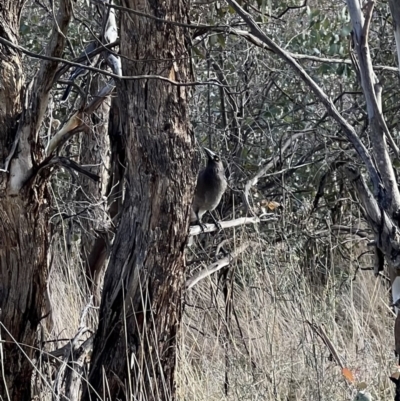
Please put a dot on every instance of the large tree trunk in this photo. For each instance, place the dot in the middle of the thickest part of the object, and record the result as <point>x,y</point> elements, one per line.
<point>20,288</point>
<point>140,313</point>
<point>24,201</point>
<point>23,272</point>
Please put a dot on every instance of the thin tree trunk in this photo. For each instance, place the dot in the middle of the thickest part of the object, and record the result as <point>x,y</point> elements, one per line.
<point>96,152</point>
<point>135,346</point>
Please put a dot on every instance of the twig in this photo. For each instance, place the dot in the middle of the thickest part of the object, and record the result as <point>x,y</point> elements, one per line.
<point>260,173</point>
<point>104,72</point>
<point>321,333</point>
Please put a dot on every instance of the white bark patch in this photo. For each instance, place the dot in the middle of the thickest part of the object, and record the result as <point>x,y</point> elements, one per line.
<point>397,40</point>
<point>396,292</point>
<point>20,166</point>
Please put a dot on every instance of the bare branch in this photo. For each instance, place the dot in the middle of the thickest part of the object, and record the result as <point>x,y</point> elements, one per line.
<point>76,121</point>
<point>321,333</point>
<point>106,73</point>
<point>71,165</point>
<point>257,42</point>
<point>208,228</point>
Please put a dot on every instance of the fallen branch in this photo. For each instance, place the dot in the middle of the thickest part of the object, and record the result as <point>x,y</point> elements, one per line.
<point>214,267</point>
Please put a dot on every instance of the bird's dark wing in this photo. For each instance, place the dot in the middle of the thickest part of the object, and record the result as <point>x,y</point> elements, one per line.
<point>90,60</point>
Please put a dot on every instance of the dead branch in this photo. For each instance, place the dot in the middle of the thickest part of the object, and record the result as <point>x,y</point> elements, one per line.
<point>208,228</point>
<point>214,267</point>
<point>76,121</point>
<point>71,165</point>
<point>321,333</point>
<point>36,100</point>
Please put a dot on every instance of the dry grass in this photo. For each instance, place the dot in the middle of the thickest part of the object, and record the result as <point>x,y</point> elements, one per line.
<point>268,349</point>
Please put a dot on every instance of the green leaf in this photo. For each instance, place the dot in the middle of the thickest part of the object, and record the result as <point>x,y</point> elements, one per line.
<point>199,53</point>
<point>333,49</point>
<point>396,163</point>
<point>325,69</point>
<point>345,31</point>
<point>221,40</point>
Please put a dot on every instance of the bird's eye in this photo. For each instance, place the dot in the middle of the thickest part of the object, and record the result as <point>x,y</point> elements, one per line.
<point>216,158</point>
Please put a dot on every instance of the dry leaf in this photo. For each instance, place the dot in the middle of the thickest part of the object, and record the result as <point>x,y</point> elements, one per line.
<point>396,375</point>
<point>348,374</point>
<point>361,386</point>
<point>270,205</point>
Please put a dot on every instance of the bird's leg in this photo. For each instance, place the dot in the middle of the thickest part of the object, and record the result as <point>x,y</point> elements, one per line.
<point>216,222</point>
<point>202,226</point>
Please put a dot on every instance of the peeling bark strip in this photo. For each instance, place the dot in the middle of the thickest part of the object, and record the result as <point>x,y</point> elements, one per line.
<point>135,346</point>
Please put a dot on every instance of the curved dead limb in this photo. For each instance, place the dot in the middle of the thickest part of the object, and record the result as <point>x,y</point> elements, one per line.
<point>72,124</point>
<point>76,123</point>
<point>214,267</point>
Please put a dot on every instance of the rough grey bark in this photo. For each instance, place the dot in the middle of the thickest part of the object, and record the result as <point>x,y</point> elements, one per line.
<point>24,200</point>
<point>135,346</point>
<point>12,79</point>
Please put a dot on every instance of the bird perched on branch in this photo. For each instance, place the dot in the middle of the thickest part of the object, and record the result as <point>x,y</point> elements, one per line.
<point>211,185</point>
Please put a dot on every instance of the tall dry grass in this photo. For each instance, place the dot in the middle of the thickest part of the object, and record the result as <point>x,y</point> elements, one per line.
<point>267,348</point>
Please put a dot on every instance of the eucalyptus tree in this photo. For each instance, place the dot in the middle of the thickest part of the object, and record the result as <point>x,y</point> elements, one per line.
<point>146,265</point>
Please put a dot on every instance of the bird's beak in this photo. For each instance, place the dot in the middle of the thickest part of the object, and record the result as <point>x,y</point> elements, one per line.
<point>209,153</point>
